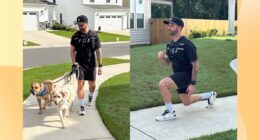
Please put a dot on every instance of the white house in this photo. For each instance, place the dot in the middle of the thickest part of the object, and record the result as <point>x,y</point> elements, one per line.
<point>140,13</point>
<point>107,14</point>
<point>38,14</point>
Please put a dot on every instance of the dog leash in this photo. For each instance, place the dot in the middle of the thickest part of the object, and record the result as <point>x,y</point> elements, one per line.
<point>67,77</point>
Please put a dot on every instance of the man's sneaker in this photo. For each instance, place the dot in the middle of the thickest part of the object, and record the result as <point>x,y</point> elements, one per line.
<point>166,116</point>
<point>82,111</point>
<point>212,99</point>
<point>90,97</point>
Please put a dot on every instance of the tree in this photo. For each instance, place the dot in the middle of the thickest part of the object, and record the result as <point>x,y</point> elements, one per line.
<point>201,9</point>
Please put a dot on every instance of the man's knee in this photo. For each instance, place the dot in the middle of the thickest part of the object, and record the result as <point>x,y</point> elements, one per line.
<point>92,85</point>
<point>162,84</point>
<point>186,102</point>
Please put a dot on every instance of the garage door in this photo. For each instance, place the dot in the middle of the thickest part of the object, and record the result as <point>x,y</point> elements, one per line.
<point>30,21</point>
<point>110,22</point>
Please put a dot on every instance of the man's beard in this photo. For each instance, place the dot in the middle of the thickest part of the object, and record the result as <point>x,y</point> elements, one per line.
<point>173,33</point>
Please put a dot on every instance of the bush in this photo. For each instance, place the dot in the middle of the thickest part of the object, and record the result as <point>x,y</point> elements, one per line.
<point>197,34</point>
<point>235,29</point>
<point>57,26</point>
<point>212,32</point>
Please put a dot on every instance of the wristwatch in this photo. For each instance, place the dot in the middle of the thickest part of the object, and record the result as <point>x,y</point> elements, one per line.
<point>100,65</point>
<point>193,82</point>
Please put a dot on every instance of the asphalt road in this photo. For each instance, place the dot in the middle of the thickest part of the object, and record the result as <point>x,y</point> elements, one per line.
<point>55,55</point>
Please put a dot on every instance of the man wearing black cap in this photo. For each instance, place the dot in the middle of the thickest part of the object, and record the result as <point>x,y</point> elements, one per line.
<point>181,54</point>
<point>84,44</point>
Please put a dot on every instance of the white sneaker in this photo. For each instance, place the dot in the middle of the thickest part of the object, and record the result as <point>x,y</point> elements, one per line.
<point>90,97</point>
<point>212,99</point>
<point>82,111</point>
<point>166,116</point>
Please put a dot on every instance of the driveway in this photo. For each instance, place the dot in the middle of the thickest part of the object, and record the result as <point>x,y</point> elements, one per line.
<point>45,39</point>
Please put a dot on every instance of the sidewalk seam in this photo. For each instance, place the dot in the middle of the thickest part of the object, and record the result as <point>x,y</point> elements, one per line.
<point>98,138</point>
<point>143,132</point>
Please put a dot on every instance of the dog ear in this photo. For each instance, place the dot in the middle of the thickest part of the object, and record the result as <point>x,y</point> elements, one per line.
<point>64,93</point>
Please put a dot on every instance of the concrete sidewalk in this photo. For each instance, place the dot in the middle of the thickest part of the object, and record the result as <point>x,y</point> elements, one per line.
<point>46,39</point>
<point>192,121</point>
<point>48,126</point>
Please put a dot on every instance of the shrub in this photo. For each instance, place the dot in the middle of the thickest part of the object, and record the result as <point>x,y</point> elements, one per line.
<point>57,26</point>
<point>197,34</point>
<point>212,32</point>
<point>235,29</point>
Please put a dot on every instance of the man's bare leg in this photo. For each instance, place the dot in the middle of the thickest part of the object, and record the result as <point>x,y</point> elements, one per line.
<point>188,99</point>
<point>92,87</point>
<point>81,96</point>
<point>165,85</point>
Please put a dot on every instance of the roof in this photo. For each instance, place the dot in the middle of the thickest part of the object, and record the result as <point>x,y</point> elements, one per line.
<point>106,7</point>
<point>45,2</point>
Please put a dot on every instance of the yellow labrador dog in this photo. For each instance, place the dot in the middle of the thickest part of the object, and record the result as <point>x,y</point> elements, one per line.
<point>42,91</point>
<point>63,99</point>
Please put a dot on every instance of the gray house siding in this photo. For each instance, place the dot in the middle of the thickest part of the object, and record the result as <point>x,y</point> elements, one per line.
<point>142,36</point>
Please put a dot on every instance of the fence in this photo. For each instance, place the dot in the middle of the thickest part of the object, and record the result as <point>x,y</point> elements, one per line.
<point>160,34</point>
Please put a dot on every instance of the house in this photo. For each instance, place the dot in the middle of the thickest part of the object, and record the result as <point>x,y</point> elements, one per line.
<point>107,14</point>
<point>38,14</point>
<point>140,13</point>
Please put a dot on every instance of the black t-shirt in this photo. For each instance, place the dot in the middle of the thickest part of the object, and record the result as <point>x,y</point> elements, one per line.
<point>181,53</point>
<point>85,45</point>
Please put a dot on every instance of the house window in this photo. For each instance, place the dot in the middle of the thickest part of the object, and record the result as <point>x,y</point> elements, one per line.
<point>113,16</point>
<point>107,16</point>
<point>108,1</point>
<point>101,17</point>
<point>140,1</point>
<point>92,0</point>
<point>119,16</point>
<point>24,13</point>
<point>140,20</point>
<point>32,13</point>
<point>131,20</point>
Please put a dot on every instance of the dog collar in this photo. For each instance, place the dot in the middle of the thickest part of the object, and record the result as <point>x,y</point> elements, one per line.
<point>43,92</point>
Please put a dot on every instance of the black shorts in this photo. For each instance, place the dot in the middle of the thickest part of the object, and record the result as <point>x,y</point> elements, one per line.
<point>86,73</point>
<point>182,80</point>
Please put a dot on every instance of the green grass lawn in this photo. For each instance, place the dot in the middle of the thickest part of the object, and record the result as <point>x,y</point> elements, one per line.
<point>113,105</point>
<point>215,73</point>
<point>226,135</point>
<point>29,43</point>
<point>104,37</point>
<point>54,71</point>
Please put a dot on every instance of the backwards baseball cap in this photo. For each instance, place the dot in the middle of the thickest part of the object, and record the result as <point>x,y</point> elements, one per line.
<point>175,20</point>
<point>82,19</point>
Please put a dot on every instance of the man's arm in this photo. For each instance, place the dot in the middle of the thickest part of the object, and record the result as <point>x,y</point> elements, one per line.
<point>163,58</point>
<point>99,56</point>
<point>72,54</point>
<point>195,70</point>
<point>99,59</point>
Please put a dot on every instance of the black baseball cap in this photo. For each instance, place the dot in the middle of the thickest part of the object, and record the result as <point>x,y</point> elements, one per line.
<point>175,20</point>
<point>82,19</point>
